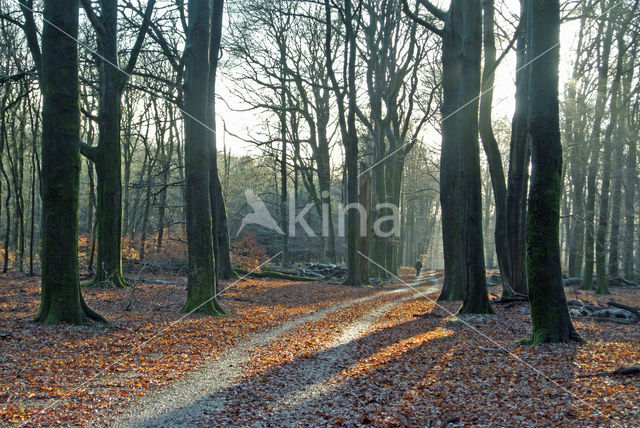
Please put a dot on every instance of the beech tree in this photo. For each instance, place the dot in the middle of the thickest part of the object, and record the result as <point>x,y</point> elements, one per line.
<point>518,175</point>
<point>460,181</point>
<point>348,131</point>
<point>220,229</point>
<point>201,285</point>
<point>550,318</point>
<point>107,154</point>
<point>61,299</point>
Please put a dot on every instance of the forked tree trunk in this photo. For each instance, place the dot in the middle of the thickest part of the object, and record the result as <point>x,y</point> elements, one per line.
<point>61,300</point>
<point>489,142</point>
<point>107,155</point>
<point>549,312</point>
<point>220,230</point>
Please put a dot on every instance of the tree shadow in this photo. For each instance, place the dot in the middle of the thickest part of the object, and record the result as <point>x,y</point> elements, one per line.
<point>261,395</point>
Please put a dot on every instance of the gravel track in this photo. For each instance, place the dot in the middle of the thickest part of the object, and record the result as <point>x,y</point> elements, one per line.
<point>188,401</point>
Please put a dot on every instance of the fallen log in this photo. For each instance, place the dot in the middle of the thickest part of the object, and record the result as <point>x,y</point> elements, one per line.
<point>634,311</point>
<point>626,371</point>
<point>274,274</point>
<point>156,281</point>
<point>509,299</point>
<point>610,319</point>
<point>620,371</point>
<point>618,281</point>
<point>629,283</point>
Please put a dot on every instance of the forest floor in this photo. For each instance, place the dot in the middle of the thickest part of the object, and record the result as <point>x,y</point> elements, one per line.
<point>296,353</point>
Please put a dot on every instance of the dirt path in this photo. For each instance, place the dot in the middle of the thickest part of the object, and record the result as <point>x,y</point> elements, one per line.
<point>190,401</point>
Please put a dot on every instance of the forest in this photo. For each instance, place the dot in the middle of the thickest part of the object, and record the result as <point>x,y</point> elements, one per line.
<point>319,213</point>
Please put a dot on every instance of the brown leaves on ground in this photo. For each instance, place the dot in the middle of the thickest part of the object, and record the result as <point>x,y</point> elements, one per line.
<point>69,375</point>
<point>403,371</point>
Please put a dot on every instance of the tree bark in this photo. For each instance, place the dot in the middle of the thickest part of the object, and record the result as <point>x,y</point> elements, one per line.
<point>220,230</point>
<point>107,158</point>
<point>476,299</point>
<point>518,176</point>
<point>348,131</point>
<point>61,300</point>
<point>549,312</point>
<point>450,178</point>
<point>201,284</point>
<point>351,154</point>
<point>489,142</point>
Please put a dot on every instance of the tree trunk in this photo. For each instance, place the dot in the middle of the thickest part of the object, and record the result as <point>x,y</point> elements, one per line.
<point>348,130</point>
<point>603,218</point>
<point>616,201</point>
<point>630,179</point>
<point>594,159</point>
<point>451,185</point>
<point>489,142</point>
<point>324,182</point>
<point>221,244</point>
<point>201,285</point>
<point>61,300</point>
<point>365,201</point>
<point>516,197</point>
<point>107,157</point>
<point>549,312</point>
<point>631,176</point>
<point>91,220</point>
<point>476,299</point>
<point>3,172</point>
<point>284,197</point>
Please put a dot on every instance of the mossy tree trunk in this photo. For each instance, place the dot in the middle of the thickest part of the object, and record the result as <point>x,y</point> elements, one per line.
<point>107,159</point>
<point>549,312</point>
<point>61,300</point>
<point>201,285</point>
